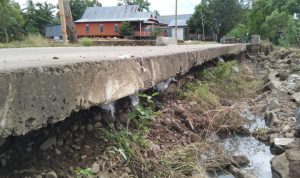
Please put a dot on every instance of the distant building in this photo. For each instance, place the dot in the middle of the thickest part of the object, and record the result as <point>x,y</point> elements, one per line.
<point>182,27</point>
<point>106,21</point>
<point>53,31</point>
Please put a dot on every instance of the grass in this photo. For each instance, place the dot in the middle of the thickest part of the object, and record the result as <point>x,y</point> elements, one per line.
<point>32,40</point>
<point>86,42</point>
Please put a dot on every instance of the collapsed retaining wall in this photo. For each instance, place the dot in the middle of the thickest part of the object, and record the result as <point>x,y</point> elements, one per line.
<point>33,95</point>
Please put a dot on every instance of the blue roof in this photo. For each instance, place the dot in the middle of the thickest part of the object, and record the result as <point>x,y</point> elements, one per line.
<point>170,19</point>
<point>116,14</point>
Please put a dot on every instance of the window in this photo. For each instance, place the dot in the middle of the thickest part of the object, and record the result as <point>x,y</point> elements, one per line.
<point>87,28</point>
<point>116,28</point>
<point>101,28</point>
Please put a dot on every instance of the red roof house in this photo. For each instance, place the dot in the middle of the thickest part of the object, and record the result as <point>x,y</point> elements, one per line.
<point>106,21</point>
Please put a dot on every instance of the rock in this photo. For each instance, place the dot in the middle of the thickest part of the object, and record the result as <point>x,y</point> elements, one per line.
<point>297,133</point>
<point>98,125</point>
<point>38,176</point>
<point>124,119</point>
<point>51,174</point>
<point>271,118</point>
<point>57,151</point>
<point>153,151</point>
<point>179,110</point>
<point>167,122</point>
<point>48,143</point>
<point>3,162</point>
<point>296,97</point>
<point>95,168</point>
<point>97,117</point>
<point>60,142</point>
<point>75,128</point>
<point>194,137</point>
<point>2,141</point>
<point>279,145</point>
<point>90,127</point>
<point>280,166</point>
<point>274,104</point>
<point>289,135</point>
<point>282,76</point>
<point>240,160</point>
<point>108,117</point>
<point>293,156</point>
<point>286,128</point>
<point>237,173</point>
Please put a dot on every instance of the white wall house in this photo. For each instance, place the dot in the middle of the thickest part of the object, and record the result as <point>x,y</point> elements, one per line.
<point>182,27</point>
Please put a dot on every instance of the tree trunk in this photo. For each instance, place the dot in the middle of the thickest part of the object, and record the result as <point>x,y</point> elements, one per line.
<point>6,35</point>
<point>71,31</point>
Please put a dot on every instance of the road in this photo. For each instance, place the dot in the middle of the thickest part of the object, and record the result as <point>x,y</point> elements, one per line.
<point>18,58</point>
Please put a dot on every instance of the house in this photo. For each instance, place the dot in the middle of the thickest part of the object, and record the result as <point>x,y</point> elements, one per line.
<point>53,32</point>
<point>182,27</point>
<point>106,21</point>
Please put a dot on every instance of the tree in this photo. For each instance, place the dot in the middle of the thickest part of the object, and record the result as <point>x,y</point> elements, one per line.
<point>144,4</point>
<point>269,18</point>
<point>125,29</point>
<point>219,16</point>
<point>78,7</point>
<point>70,25</point>
<point>11,20</point>
<point>37,16</point>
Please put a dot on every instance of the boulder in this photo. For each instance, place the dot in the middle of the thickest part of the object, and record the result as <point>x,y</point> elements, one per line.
<point>51,174</point>
<point>48,143</point>
<point>238,173</point>
<point>280,166</point>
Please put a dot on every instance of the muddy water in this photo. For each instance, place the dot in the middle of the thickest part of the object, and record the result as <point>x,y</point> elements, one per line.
<point>258,153</point>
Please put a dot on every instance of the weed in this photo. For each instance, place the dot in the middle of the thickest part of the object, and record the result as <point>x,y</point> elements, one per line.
<point>86,42</point>
<point>80,172</point>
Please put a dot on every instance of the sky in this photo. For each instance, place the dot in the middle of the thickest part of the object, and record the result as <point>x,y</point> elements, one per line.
<point>165,7</point>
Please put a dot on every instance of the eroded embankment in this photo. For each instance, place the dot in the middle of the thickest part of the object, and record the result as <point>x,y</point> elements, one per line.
<point>173,133</point>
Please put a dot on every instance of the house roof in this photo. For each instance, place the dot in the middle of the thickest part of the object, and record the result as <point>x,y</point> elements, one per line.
<point>170,19</point>
<point>115,14</point>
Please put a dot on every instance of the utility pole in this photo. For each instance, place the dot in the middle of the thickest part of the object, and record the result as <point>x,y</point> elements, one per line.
<point>176,18</point>
<point>203,32</point>
<point>63,22</point>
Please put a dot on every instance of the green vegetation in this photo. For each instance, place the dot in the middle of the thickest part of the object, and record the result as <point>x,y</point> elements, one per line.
<point>156,32</point>
<point>126,30</point>
<point>86,42</point>
<point>78,7</point>
<point>144,4</point>
<point>240,31</point>
<point>216,17</point>
<point>80,172</point>
<point>32,40</point>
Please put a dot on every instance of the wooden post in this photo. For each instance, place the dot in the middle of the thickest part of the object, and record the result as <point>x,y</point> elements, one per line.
<point>63,22</point>
<point>70,26</point>
<point>140,30</point>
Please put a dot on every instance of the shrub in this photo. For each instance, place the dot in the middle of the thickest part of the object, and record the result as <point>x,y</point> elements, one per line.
<point>291,35</point>
<point>125,29</point>
<point>240,31</point>
<point>86,42</point>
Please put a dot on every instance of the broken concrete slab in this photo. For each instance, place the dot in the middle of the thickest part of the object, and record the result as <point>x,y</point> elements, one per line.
<point>37,89</point>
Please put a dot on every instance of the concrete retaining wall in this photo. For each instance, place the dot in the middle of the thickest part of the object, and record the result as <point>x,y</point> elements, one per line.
<point>32,97</point>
